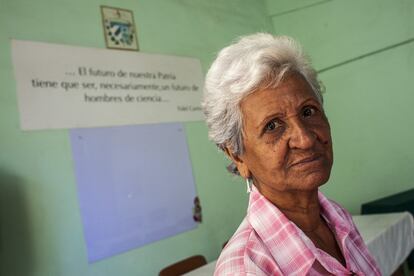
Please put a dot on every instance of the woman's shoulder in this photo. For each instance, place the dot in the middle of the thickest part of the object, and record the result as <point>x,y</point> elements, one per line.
<point>231,259</point>
<point>241,254</point>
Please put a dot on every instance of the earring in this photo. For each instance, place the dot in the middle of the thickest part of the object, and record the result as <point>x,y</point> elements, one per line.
<point>249,183</point>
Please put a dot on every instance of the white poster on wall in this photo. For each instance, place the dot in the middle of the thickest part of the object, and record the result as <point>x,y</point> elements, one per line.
<point>135,186</point>
<point>62,86</point>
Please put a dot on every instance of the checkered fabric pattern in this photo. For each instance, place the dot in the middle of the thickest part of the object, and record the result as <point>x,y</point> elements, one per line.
<point>268,243</point>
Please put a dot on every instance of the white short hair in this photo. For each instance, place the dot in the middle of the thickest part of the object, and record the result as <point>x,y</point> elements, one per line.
<point>253,62</point>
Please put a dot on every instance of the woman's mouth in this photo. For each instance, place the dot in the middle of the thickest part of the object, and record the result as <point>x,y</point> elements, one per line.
<point>307,160</point>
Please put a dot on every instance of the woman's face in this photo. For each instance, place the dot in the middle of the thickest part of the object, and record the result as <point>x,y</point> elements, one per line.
<point>286,138</point>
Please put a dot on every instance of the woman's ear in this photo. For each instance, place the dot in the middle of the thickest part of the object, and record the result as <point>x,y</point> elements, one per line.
<point>239,161</point>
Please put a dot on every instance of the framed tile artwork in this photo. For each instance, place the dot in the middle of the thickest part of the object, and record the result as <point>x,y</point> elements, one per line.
<point>119,28</point>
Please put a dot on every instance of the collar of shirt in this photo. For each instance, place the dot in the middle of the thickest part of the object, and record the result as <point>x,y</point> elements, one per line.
<point>289,246</point>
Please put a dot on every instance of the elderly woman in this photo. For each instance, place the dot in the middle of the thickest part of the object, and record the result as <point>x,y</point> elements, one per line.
<point>263,107</point>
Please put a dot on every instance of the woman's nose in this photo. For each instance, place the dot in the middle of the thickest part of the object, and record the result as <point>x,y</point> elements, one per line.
<point>301,136</point>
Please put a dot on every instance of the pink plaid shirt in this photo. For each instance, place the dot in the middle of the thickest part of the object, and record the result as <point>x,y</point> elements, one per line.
<point>268,243</point>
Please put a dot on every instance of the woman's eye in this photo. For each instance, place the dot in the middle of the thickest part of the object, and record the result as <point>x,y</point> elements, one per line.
<point>271,126</point>
<point>308,111</point>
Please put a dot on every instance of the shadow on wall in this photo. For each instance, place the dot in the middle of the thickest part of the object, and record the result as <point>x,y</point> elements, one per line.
<point>16,247</point>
